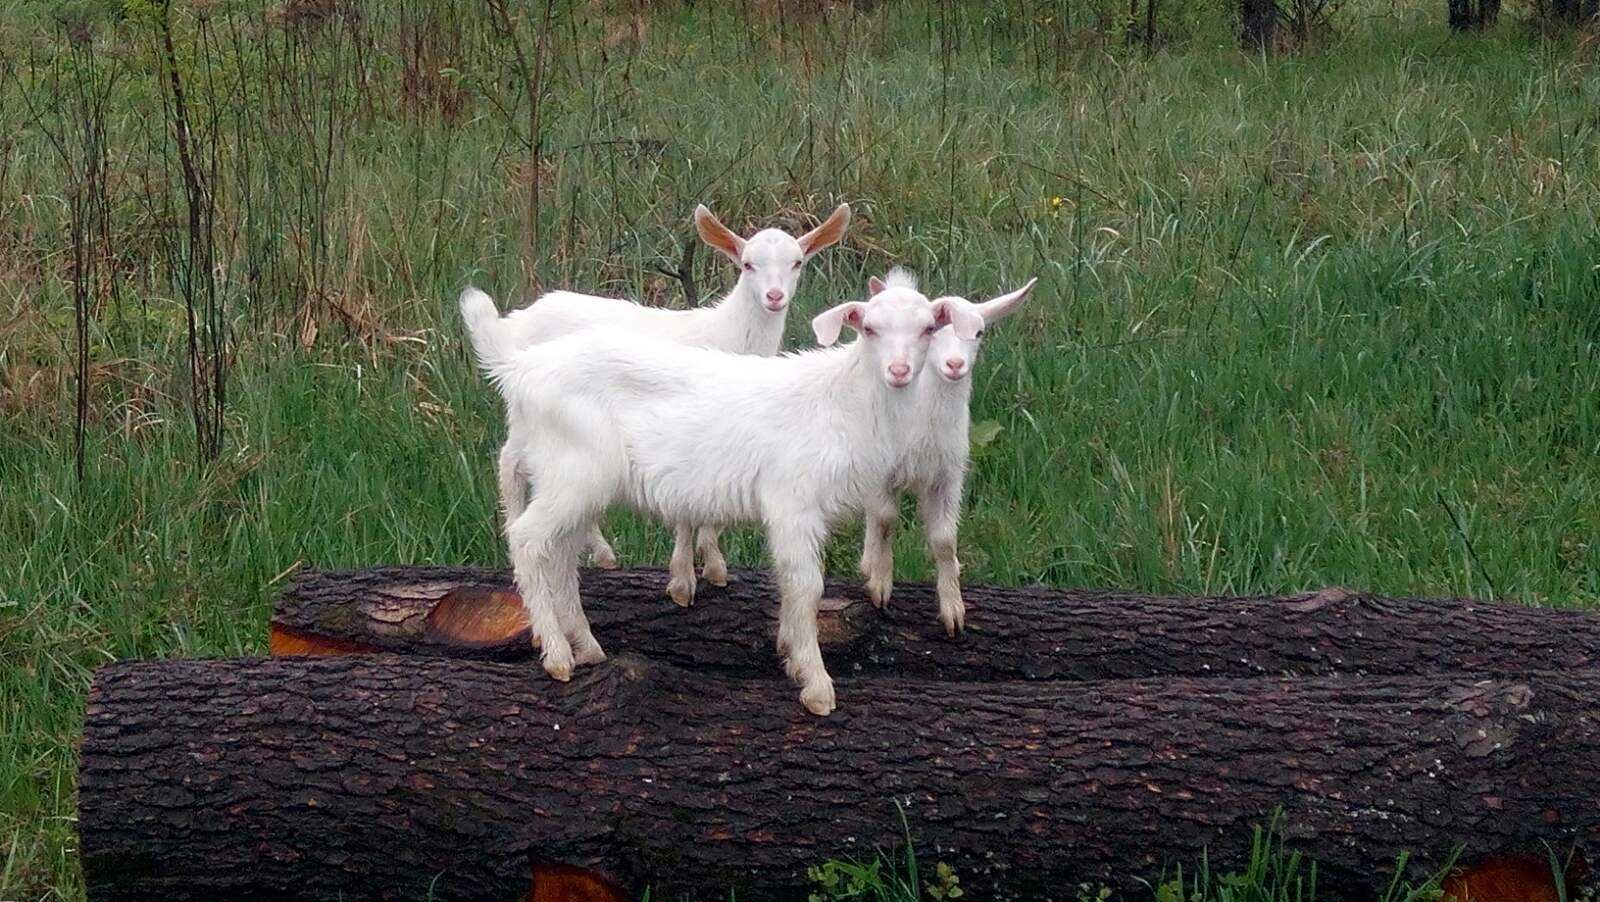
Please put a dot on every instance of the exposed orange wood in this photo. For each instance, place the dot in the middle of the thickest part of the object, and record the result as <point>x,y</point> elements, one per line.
<point>283,642</point>
<point>1514,877</point>
<point>468,619</point>
<point>562,883</point>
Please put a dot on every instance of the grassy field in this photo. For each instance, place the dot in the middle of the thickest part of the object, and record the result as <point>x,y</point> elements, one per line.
<point>1329,317</point>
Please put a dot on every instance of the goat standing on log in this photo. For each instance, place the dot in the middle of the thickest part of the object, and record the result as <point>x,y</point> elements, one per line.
<point>748,320</point>
<point>698,436</point>
<point>935,466</point>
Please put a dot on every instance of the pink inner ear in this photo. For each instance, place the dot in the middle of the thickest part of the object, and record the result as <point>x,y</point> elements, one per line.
<point>941,315</point>
<point>853,316</point>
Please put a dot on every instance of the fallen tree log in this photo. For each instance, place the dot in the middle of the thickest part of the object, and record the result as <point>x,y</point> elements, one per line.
<point>1012,633</point>
<point>402,778</point>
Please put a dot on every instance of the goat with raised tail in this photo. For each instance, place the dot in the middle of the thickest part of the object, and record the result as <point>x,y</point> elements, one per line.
<point>699,436</point>
<point>935,465</point>
<point>748,320</point>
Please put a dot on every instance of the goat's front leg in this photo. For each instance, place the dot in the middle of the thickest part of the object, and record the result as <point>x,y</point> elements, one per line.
<point>939,504</point>
<point>797,561</point>
<point>877,548</point>
<point>681,586</point>
<point>715,569</point>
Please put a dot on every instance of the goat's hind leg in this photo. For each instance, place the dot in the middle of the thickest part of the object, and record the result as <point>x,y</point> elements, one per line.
<point>514,500</point>
<point>681,586</point>
<point>569,604</point>
<point>545,540</point>
<point>601,554</point>
<point>536,560</point>
<point>513,485</point>
<point>877,548</point>
<point>715,569</point>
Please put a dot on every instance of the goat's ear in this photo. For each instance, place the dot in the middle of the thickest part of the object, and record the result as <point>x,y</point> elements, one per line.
<point>719,236</point>
<point>827,234</point>
<point>959,313</point>
<point>830,322</point>
<point>1006,304</point>
<point>875,285</point>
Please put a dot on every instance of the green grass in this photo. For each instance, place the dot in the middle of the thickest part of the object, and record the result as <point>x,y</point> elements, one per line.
<point>1272,873</point>
<point>1325,318</point>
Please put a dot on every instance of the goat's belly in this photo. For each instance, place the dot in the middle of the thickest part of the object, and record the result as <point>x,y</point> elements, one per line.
<point>707,501</point>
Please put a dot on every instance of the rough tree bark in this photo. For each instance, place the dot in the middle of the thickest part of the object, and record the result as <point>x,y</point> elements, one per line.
<point>1012,634</point>
<point>386,778</point>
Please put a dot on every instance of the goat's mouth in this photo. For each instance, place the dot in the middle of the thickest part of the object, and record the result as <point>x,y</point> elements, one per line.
<point>775,306</point>
<point>950,375</point>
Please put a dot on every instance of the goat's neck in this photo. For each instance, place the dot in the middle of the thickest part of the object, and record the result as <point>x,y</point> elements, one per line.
<point>746,323</point>
<point>859,378</point>
<point>946,402</point>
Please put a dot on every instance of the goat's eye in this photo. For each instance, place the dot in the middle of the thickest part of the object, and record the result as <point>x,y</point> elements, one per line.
<point>980,333</point>
<point>930,330</point>
<point>870,332</point>
<point>797,264</point>
<point>749,267</point>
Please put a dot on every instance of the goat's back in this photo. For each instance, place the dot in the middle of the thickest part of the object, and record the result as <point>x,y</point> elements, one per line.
<point>562,313</point>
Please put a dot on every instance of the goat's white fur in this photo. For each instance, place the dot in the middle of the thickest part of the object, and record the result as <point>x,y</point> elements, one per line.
<point>699,436</point>
<point>935,465</point>
<point>748,320</point>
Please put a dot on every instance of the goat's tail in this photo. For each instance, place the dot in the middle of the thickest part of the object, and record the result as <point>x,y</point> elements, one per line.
<point>491,344</point>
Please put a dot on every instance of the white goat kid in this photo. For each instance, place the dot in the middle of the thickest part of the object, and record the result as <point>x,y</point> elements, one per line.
<point>935,466</point>
<point>748,320</point>
<point>698,436</point>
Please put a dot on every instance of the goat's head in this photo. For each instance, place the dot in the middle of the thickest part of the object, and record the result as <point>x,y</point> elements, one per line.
<point>897,325</point>
<point>770,260</point>
<point>954,357</point>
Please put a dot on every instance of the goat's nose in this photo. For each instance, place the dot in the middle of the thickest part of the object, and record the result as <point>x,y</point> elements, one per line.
<point>955,364</point>
<point>774,295</point>
<point>899,370</point>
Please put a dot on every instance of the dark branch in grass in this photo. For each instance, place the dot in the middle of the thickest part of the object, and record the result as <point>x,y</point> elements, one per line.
<point>80,102</point>
<point>1466,539</point>
<point>685,274</point>
<point>196,275</point>
<point>1073,180</point>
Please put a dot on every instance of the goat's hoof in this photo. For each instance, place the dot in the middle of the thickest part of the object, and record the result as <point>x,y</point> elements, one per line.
<point>591,653</point>
<point>879,590</point>
<point>715,573</point>
<point>954,620</point>
<point>818,698</point>
<point>558,662</point>
<point>606,561</point>
<point>681,591</point>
